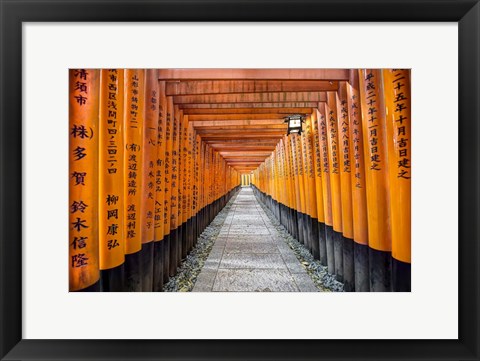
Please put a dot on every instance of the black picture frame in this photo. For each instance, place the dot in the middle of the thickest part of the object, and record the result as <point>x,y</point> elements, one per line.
<point>13,13</point>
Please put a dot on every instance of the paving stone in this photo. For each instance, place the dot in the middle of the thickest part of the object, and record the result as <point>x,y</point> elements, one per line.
<point>248,224</point>
<point>251,247</point>
<point>249,231</point>
<point>277,237</point>
<point>250,255</point>
<point>205,281</point>
<point>218,248</point>
<point>251,214</point>
<point>216,252</point>
<point>254,280</point>
<point>246,216</point>
<point>213,260</point>
<point>284,248</point>
<point>292,263</point>
<point>221,241</point>
<point>252,260</point>
<point>304,282</point>
<point>249,238</point>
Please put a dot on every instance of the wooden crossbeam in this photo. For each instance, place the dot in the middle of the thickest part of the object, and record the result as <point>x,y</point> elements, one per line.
<point>237,155</point>
<point>242,128</point>
<point>204,87</point>
<point>240,132</point>
<point>257,149</point>
<point>245,160</point>
<point>249,105</point>
<point>257,136</point>
<point>243,142</point>
<point>250,111</point>
<point>251,98</point>
<point>239,122</point>
<point>222,117</point>
<point>262,74</point>
<point>244,153</point>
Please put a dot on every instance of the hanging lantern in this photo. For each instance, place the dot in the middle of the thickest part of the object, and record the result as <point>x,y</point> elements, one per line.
<point>295,123</point>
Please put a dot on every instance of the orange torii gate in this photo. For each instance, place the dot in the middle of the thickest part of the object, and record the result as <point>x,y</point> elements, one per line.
<point>167,148</point>
<point>362,171</point>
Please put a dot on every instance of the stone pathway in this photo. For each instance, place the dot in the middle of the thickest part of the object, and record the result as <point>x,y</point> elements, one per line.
<point>249,255</point>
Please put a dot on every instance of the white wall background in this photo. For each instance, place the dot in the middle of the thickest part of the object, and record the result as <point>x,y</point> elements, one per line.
<point>429,311</point>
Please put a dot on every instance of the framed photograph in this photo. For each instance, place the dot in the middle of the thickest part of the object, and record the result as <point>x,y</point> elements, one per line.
<point>240,109</point>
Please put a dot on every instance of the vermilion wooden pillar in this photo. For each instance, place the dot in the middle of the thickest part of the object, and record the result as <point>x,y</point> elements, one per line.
<point>376,172</point>
<point>150,144</point>
<point>399,138</point>
<point>360,223</point>
<point>345,165</point>
<point>326,186</point>
<point>161,251</point>
<point>134,117</point>
<point>335,181</point>
<point>83,257</point>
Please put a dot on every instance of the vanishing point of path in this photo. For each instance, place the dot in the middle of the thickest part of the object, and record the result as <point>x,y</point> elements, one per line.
<point>250,255</point>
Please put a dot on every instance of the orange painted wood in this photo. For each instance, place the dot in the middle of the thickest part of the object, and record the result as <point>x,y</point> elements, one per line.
<point>200,87</point>
<point>357,155</point>
<point>168,167</point>
<point>281,184</point>
<point>150,139</point>
<point>245,152</point>
<point>225,147</point>
<point>246,142</point>
<point>345,143</point>
<point>399,138</point>
<point>310,167</point>
<point>376,162</point>
<point>278,118</point>
<point>230,162</point>
<point>180,167</point>
<point>249,111</point>
<point>302,171</point>
<point>133,160</point>
<point>249,135</point>
<point>290,173</point>
<point>317,166</point>
<point>196,173</point>
<point>299,192</point>
<point>83,257</point>
<point>334,160</point>
<point>190,170</point>
<point>270,74</point>
<point>160,165</point>
<point>325,157</point>
<point>209,172</point>
<point>204,175</point>
<point>258,105</point>
<point>300,150</point>
<point>184,155</point>
<point>240,131</point>
<point>200,170</point>
<point>251,98</point>
<point>112,243</point>
<point>174,168</point>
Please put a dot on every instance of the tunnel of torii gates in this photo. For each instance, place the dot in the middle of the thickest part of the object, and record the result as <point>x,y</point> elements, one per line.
<point>155,154</point>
